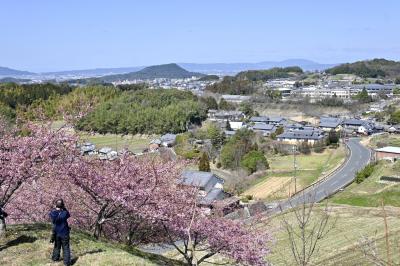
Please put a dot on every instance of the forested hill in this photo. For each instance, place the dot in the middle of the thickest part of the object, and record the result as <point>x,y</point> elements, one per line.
<point>376,68</point>
<point>242,83</point>
<point>170,71</point>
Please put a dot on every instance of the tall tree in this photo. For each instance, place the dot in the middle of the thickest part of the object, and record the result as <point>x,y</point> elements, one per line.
<point>204,163</point>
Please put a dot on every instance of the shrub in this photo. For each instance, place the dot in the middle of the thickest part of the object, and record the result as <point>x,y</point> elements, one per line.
<point>246,198</point>
<point>253,161</point>
<point>319,149</point>
<point>364,173</point>
<point>304,148</point>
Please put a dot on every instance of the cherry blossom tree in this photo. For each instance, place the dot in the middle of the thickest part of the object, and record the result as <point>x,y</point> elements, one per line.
<point>128,199</point>
<point>28,153</point>
<point>198,236</point>
<point>122,189</point>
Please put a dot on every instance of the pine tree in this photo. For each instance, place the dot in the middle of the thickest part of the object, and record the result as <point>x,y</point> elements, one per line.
<point>204,163</point>
<point>228,126</point>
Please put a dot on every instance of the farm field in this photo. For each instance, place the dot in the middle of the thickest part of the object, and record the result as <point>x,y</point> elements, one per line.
<point>134,143</point>
<point>371,191</point>
<point>341,245</point>
<point>278,182</point>
<point>117,142</point>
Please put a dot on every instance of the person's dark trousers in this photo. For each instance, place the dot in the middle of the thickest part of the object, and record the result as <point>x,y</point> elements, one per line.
<point>64,243</point>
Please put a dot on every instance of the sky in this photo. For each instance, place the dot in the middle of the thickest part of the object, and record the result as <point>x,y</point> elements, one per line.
<point>49,35</point>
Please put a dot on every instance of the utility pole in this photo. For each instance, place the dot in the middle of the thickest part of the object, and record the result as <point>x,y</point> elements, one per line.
<point>295,168</point>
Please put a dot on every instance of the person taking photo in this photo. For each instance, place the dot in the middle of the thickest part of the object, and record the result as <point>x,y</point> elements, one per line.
<point>59,216</point>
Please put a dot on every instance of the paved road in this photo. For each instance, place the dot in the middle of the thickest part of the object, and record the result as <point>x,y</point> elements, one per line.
<point>358,158</point>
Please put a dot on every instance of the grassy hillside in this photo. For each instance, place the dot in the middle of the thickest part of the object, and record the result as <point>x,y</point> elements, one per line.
<point>29,245</point>
<point>369,69</point>
<point>340,247</point>
<point>383,140</point>
<point>371,191</point>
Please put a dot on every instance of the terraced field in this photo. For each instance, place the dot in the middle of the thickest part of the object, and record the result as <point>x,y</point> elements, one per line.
<point>341,245</point>
<point>278,183</point>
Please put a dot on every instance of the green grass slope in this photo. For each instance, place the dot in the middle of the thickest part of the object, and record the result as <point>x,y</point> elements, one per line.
<point>372,191</point>
<point>341,245</point>
<point>29,245</point>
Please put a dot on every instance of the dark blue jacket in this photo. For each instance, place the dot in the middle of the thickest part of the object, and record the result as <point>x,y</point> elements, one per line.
<point>59,220</point>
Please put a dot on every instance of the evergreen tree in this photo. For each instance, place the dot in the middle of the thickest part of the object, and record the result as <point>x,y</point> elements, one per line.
<point>204,163</point>
<point>333,137</point>
<point>228,126</point>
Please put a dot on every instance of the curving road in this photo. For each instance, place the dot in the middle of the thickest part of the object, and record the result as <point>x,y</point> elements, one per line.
<point>359,157</point>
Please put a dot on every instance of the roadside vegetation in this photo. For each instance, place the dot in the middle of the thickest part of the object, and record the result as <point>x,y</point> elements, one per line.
<point>372,190</point>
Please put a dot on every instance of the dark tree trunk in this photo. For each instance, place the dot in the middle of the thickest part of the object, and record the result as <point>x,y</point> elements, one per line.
<point>98,230</point>
<point>2,227</point>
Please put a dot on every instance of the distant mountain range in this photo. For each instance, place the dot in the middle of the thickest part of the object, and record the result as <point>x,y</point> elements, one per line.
<point>94,72</point>
<point>234,68</point>
<point>206,68</point>
<point>13,80</point>
<point>9,72</point>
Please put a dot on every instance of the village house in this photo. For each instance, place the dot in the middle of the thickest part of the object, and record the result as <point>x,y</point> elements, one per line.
<point>394,129</point>
<point>236,98</point>
<point>168,140</point>
<point>359,126</point>
<point>295,135</point>
<point>236,125</point>
<point>221,115</point>
<point>87,148</point>
<point>226,206</point>
<point>328,124</point>
<point>387,153</point>
<point>264,129</point>
<point>259,119</point>
<point>210,186</point>
<point>274,120</point>
<point>106,153</point>
<point>375,89</point>
<point>277,120</point>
